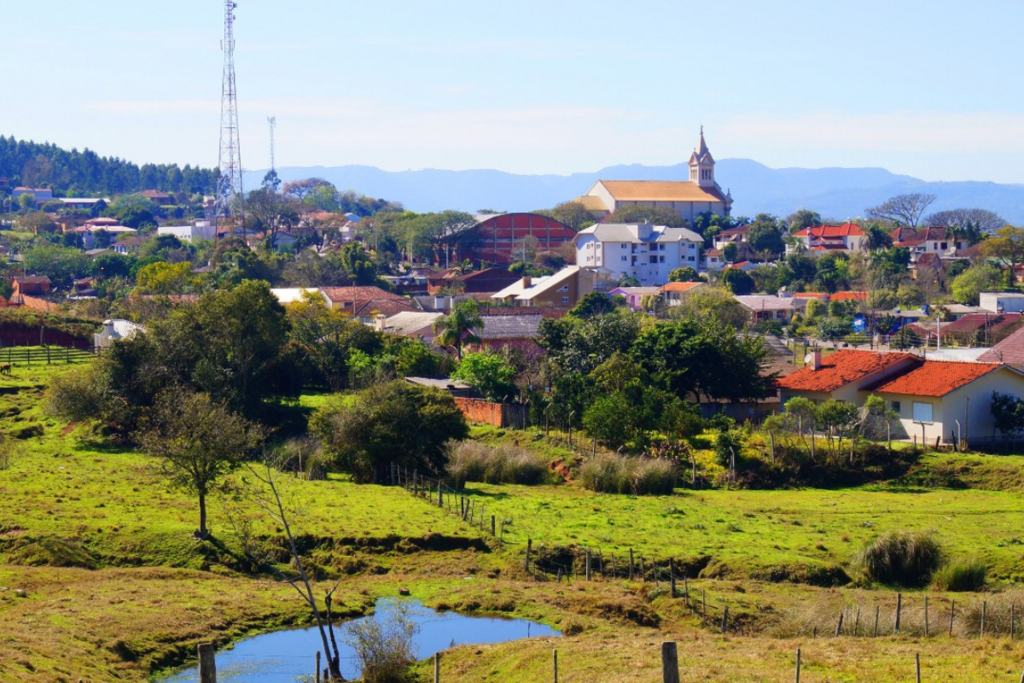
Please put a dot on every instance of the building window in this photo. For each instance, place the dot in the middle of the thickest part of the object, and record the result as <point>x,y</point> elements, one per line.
<point>896,406</point>
<point>661,259</point>
<point>564,289</point>
<point>622,246</point>
<point>654,259</point>
<point>923,412</point>
<point>565,299</point>
<point>624,258</point>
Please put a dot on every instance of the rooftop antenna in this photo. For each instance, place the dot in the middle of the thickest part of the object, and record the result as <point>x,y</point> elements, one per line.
<point>229,182</point>
<point>272,120</point>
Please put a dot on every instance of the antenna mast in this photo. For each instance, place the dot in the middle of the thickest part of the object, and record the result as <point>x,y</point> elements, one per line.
<point>272,120</point>
<point>229,183</point>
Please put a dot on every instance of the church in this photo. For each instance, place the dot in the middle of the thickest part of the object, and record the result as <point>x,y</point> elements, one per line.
<point>689,198</point>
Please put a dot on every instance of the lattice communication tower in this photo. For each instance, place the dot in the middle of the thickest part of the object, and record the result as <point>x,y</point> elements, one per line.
<point>272,120</point>
<point>229,184</point>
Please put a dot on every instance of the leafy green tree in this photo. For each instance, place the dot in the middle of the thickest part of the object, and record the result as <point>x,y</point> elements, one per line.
<point>576,346</point>
<point>199,441</point>
<point>488,373</point>
<point>573,214</point>
<point>766,234</point>
<point>803,219</point>
<point>967,287</point>
<point>107,266</point>
<point>838,420</point>
<point>456,329</point>
<point>592,304</point>
<point>833,329</point>
<point>60,264</point>
<point>394,422</point>
<point>1007,245</point>
<point>1007,414</point>
<point>35,222</point>
<point>684,274</point>
<point>326,337</point>
<point>730,251</point>
<point>877,237</point>
<point>357,264</point>
<point>655,215</point>
<point>165,278</point>
<point>738,281</point>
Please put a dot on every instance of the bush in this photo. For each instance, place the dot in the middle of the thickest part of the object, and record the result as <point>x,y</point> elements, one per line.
<point>902,558</point>
<point>470,461</point>
<point>960,576</point>
<point>638,476</point>
<point>383,644</point>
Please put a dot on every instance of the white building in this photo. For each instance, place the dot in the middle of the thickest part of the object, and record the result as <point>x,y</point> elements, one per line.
<point>200,230</point>
<point>1002,302</point>
<point>115,329</point>
<point>647,252</point>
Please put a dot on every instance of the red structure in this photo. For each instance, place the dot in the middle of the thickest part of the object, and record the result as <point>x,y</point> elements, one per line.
<point>496,238</point>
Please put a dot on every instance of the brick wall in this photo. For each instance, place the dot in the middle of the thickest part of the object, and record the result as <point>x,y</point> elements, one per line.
<point>479,410</point>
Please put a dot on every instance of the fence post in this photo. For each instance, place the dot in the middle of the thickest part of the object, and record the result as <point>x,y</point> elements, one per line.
<point>554,662</point>
<point>207,664</point>
<point>492,526</point>
<point>725,618</point>
<point>529,547</point>
<point>669,663</point>
<point>839,626</point>
<point>437,667</point>
<point>798,665</point>
<point>984,616</point>
<point>952,611</point>
<point>672,576</point>
<point>926,616</point>
<point>630,564</point>
<point>440,495</point>
<point>899,610</point>
<point>917,666</point>
<point>318,666</point>
<point>588,564</point>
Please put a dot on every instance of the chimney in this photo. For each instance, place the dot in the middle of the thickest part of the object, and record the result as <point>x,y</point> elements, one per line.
<point>527,282</point>
<point>378,322</point>
<point>813,359</point>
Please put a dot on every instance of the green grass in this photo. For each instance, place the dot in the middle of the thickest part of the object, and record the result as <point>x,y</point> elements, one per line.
<point>758,529</point>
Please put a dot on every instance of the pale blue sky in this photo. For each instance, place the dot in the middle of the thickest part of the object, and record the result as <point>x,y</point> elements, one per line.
<point>927,88</point>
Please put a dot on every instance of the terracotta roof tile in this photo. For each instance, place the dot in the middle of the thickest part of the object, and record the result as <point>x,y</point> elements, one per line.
<point>935,378</point>
<point>825,231</point>
<point>850,296</point>
<point>1010,350</point>
<point>680,286</point>
<point>661,190</point>
<point>840,369</point>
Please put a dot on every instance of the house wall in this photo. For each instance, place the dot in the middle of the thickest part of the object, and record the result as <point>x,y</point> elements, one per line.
<point>970,404</point>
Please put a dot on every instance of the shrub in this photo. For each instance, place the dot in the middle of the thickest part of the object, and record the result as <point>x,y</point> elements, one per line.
<point>638,476</point>
<point>383,644</point>
<point>960,576</point>
<point>471,461</point>
<point>903,558</point>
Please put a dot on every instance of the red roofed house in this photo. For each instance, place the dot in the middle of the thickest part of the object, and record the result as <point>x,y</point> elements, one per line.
<point>675,292</point>
<point>157,197</point>
<point>935,399</point>
<point>927,241</point>
<point>366,302</point>
<point>821,238</point>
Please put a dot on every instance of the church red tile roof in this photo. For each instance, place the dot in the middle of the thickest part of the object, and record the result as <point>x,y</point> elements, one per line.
<point>840,369</point>
<point>935,378</point>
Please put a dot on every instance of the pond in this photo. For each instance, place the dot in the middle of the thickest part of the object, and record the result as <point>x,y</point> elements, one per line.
<point>284,655</point>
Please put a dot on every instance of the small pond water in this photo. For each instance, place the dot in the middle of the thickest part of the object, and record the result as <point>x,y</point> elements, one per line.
<point>284,655</point>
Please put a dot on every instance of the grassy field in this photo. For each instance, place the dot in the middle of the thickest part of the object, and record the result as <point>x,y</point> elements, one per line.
<point>101,579</point>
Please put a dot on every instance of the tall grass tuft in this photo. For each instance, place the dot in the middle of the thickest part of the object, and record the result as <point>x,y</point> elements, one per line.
<point>638,476</point>
<point>901,558</point>
<point>471,461</point>
<point>961,576</point>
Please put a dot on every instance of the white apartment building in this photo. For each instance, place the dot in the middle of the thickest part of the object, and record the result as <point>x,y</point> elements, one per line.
<point>647,252</point>
<point>200,230</point>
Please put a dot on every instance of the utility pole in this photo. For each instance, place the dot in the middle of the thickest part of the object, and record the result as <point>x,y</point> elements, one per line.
<point>229,182</point>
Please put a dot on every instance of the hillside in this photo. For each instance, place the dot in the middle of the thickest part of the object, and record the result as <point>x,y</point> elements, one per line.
<point>835,192</point>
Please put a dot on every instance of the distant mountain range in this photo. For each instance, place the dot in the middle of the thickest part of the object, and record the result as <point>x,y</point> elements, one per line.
<point>837,193</point>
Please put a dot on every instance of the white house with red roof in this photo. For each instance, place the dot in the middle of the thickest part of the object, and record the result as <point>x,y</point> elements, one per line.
<point>820,239</point>
<point>947,401</point>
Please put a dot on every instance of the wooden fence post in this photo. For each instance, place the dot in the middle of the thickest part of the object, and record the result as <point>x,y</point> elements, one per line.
<point>554,662</point>
<point>630,564</point>
<point>899,610</point>
<point>529,547</point>
<point>839,626</point>
<point>878,609</point>
<point>952,611</point>
<point>493,526</point>
<point>798,665</point>
<point>725,618</point>
<point>926,616</point>
<point>437,667</point>
<point>856,623</point>
<point>917,666</point>
<point>207,664</point>
<point>984,616</point>
<point>672,576</point>
<point>588,564</point>
<point>669,663</point>
<point>317,677</point>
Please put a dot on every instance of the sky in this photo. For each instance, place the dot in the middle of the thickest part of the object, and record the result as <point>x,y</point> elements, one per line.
<point>925,88</point>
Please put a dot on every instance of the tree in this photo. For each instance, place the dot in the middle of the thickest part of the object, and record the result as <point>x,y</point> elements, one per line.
<point>967,287</point>
<point>878,237</point>
<point>199,441</point>
<point>738,281</point>
<point>456,328</point>
<point>903,209</point>
<point>327,337</point>
<point>592,304</point>
<point>488,373</point>
<point>394,422</point>
<point>766,233</point>
<point>803,219</point>
<point>60,264</point>
<point>1007,414</point>
<point>36,222</point>
<point>984,221</point>
<point>730,251</point>
<point>1007,245</point>
<point>107,266</point>
<point>300,188</point>
<point>573,214</point>
<point>837,419</point>
<point>268,212</point>
<point>357,264</point>
<point>656,215</point>
<point>164,278</point>
<point>684,274</point>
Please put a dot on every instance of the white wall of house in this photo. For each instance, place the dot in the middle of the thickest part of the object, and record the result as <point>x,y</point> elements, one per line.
<point>187,233</point>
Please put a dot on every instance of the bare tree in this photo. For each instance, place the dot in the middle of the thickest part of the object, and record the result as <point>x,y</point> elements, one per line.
<point>268,497</point>
<point>903,209</point>
<point>961,219</point>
